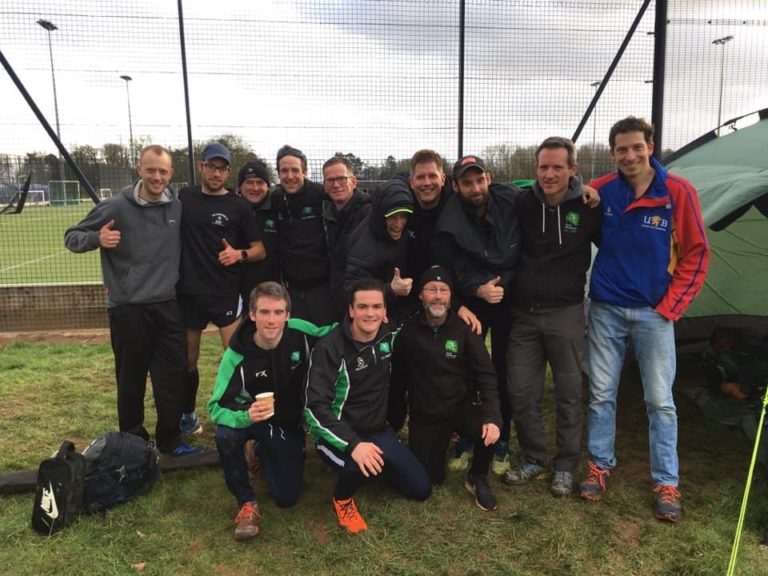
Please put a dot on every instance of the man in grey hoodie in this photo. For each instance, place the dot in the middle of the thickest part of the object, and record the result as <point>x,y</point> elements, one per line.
<point>557,228</point>
<point>138,233</point>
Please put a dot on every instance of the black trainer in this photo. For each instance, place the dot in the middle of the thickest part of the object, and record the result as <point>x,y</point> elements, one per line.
<point>478,486</point>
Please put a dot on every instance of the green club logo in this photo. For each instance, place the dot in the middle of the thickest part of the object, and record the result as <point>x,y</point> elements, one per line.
<point>269,224</point>
<point>295,356</point>
<point>384,348</point>
<point>452,346</point>
<point>572,218</point>
<point>306,211</point>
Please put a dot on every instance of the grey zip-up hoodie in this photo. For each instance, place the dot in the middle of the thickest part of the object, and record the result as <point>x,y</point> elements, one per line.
<point>144,267</point>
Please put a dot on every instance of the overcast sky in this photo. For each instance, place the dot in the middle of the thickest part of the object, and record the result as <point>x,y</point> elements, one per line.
<point>373,77</point>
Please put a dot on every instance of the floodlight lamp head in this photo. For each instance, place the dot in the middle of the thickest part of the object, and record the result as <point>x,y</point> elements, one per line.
<point>47,24</point>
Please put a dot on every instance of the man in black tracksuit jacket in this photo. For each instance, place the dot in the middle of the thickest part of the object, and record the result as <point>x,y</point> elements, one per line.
<point>378,247</point>
<point>304,263</point>
<point>477,238</point>
<point>557,229</point>
<point>447,374</point>
<point>346,406</point>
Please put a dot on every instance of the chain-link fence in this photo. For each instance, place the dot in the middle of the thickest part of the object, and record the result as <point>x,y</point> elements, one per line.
<point>375,79</point>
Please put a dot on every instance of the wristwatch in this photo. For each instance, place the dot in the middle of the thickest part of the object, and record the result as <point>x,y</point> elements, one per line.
<point>243,255</point>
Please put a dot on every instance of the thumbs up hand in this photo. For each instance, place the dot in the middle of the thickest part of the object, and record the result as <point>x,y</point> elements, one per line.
<point>491,292</point>
<point>228,256</point>
<point>108,237</point>
<point>401,286</point>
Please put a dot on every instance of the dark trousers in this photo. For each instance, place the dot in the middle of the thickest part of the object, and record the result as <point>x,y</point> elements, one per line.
<point>555,336</point>
<point>282,461</point>
<point>149,338</point>
<point>314,303</point>
<point>496,318</point>
<point>401,468</point>
<point>429,440</point>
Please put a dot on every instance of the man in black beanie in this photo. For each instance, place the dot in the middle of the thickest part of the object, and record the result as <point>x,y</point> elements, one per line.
<point>447,375</point>
<point>253,186</point>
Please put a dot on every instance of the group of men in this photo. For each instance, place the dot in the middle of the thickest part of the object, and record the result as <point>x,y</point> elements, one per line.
<point>367,310</point>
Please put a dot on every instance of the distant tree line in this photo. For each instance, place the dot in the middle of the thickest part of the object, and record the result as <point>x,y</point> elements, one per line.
<point>111,165</point>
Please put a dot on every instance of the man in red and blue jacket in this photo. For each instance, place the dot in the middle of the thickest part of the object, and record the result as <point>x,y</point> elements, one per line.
<point>651,264</point>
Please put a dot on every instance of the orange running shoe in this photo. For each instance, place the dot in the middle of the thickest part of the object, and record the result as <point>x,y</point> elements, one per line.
<point>593,486</point>
<point>247,521</point>
<point>348,516</point>
<point>668,507</point>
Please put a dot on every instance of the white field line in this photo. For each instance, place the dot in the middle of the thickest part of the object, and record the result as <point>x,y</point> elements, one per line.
<point>35,261</point>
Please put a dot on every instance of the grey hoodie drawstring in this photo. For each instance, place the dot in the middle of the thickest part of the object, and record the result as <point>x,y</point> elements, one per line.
<point>559,228</point>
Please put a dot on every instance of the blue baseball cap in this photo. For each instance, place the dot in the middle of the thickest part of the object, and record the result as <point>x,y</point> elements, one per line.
<point>216,150</point>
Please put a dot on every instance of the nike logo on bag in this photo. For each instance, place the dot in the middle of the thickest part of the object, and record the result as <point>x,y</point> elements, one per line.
<point>48,502</point>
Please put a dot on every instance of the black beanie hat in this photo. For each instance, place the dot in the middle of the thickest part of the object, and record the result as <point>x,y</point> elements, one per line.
<point>252,170</point>
<point>435,273</point>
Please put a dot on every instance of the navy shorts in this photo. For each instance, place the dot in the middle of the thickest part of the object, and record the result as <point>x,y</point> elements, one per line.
<point>198,311</point>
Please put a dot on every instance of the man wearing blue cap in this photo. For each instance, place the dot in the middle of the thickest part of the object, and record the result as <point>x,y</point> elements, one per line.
<point>218,233</point>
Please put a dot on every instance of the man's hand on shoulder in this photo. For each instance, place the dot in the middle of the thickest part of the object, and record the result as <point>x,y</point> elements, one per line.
<point>590,196</point>
<point>470,319</point>
<point>368,458</point>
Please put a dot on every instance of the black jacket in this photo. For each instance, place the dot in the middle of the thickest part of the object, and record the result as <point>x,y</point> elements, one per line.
<point>348,386</point>
<point>338,229</point>
<point>302,247</point>
<point>247,370</point>
<point>557,248</point>
<point>477,250</point>
<point>421,227</point>
<point>441,370</point>
<point>372,252</point>
<point>254,273</point>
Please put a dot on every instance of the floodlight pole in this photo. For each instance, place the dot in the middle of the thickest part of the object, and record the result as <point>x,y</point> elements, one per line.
<point>721,42</point>
<point>594,136</point>
<point>49,27</point>
<point>132,158</point>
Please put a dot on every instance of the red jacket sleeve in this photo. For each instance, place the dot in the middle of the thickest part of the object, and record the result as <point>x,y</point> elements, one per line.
<point>689,259</point>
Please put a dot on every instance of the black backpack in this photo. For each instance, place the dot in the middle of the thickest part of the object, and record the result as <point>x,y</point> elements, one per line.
<point>118,467</point>
<point>59,494</point>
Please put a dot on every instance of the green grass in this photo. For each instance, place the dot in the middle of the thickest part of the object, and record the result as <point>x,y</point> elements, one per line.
<point>185,525</point>
<point>32,247</point>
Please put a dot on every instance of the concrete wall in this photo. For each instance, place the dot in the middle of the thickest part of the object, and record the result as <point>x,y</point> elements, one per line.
<point>52,307</point>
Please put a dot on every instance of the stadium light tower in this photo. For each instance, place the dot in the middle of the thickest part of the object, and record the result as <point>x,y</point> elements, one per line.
<point>50,27</point>
<point>130,121</point>
<point>594,85</point>
<point>721,42</point>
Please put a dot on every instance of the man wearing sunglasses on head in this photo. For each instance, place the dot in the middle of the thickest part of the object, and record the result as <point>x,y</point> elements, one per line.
<point>218,233</point>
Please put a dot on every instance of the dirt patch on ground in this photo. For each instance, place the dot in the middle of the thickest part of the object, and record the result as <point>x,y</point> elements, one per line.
<point>89,336</point>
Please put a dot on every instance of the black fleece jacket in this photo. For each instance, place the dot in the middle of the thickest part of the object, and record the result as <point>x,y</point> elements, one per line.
<point>441,369</point>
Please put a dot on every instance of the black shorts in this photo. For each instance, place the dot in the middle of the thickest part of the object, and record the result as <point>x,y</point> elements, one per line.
<point>198,311</point>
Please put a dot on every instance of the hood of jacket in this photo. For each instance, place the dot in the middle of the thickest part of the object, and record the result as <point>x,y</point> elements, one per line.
<point>573,192</point>
<point>392,194</point>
